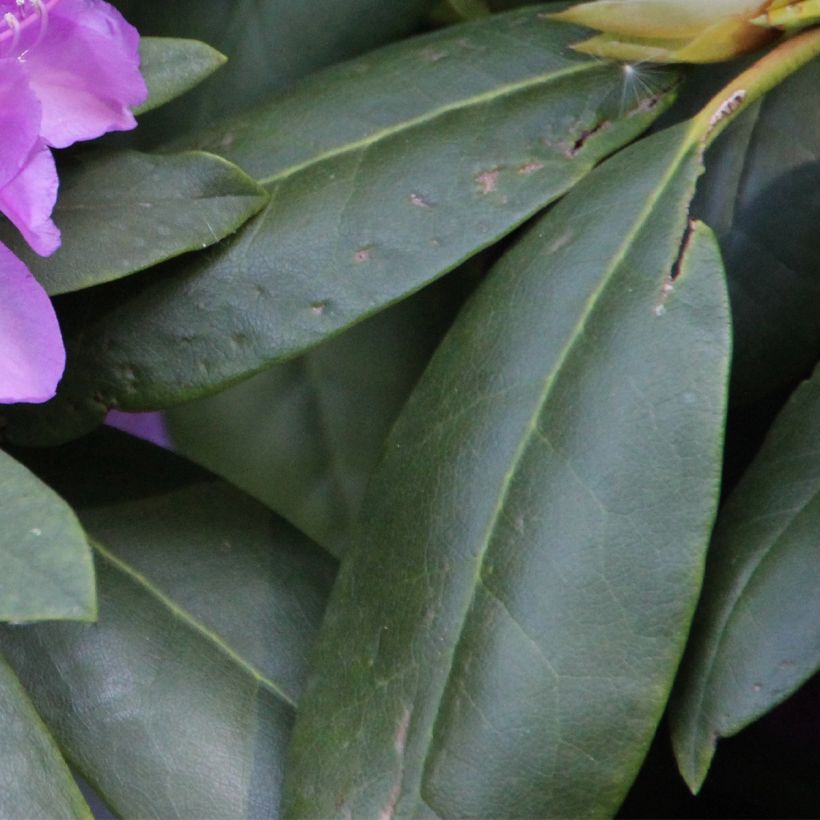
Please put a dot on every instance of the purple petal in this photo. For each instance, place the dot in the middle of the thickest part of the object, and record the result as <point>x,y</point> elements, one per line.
<point>19,119</point>
<point>32,357</point>
<point>29,198</point>
<point>148,426</point>
<point>85,72</point>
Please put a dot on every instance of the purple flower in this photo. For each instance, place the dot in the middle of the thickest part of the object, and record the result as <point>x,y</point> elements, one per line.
<point>69,71</point>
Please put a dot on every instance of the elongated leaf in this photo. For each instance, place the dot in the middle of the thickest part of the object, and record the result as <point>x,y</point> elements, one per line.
<point>384,174</point>
<point>532,542</point>
<point>761,197</point>
<point>173,66</point>
<point>179,702</point>
<point>47,571</point>
<point>268,45</point>
<point>34,779</point>
<point>125,211</point>
<point>757,634</point>
<point>304,436</point>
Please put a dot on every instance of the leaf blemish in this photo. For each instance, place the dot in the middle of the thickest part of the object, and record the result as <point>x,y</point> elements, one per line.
<point>364,254</point>
<point>530,168</point>
<point>419,201</point>
<point>576,147</point>
<point>727,107</point>
<point>559,242</point>
<point>318,308</point>
<point>488,180</point>
<point>432,55</point>
<point>668,286</point>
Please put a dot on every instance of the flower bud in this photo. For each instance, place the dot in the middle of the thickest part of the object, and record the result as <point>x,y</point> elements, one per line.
<point>666,31</point>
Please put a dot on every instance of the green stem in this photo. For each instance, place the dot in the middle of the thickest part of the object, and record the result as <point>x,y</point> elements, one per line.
<point>753,83</point>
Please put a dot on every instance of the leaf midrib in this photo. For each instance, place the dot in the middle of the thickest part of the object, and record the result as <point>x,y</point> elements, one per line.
<point>184,616</point>
<point>574,335</point>
<point>433,114</point>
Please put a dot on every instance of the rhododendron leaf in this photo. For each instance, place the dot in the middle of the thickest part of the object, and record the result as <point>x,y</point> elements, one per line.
<point>47,569</point>
<point>178,662</point>
<point>757,634</point>
<point>320,419</point>
<point>366,211</point>
<point>125,211</point>
<point>172,66</point>
<point>32,357</point>
<point>268,46</point>
<point>760,196</point>
<point>532,541</point>
<point>34,779</point>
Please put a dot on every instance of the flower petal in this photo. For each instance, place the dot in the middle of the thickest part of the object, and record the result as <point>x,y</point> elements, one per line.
<point>85,72</point>
<point>29,199</point>
<point>32,357</point>
<point>19,119</point>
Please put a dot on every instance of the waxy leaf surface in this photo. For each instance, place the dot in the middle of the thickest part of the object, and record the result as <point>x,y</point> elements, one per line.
<point>178,662</point>
<point>762,198</point>
<point>268,45</point>
<point>124,211</point>
<point>34,779</point>
<point>757,634</point>
<point>384,174</point>
<point>303,437</point>
<point>47,570</point>
<point>173,66</point>
<point>508,619</point>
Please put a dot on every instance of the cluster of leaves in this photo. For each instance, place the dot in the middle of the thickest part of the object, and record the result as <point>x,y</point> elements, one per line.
<point>498,489</point>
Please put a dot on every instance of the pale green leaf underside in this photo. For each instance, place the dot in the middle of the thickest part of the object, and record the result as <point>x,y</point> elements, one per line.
<point>532,543</point>
<point>757,634</point>
<point>47,571</point>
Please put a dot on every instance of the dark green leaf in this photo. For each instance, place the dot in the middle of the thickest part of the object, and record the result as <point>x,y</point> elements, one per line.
<point>446,12</point>
<point>757,634</point>
<point>384,174</point>
<point>179,701</point>
<point>304,436</point>
<point>512,609</point>
<point>762,196</point>
<point>34,779</point>
<point>268,45</point>
<point>172,66</point>
<point>47,572</point>
<point>124,211</point>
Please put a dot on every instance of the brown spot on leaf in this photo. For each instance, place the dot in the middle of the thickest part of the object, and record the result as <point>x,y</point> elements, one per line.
<point>488,181</point>
<point>530,168</point>
<point>364,254</point>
